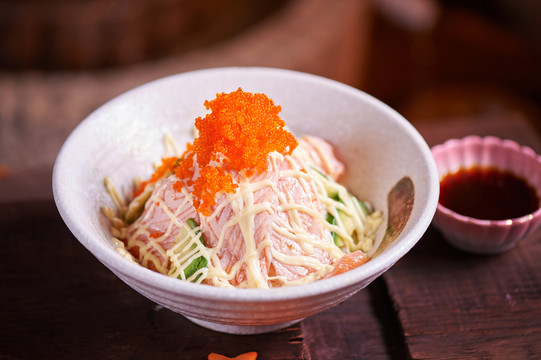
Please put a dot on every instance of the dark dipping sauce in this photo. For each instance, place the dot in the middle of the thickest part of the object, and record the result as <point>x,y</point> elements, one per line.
<point>488,193</point>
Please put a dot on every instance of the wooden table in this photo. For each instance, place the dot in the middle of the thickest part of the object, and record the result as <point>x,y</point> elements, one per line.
<point>57,301</point>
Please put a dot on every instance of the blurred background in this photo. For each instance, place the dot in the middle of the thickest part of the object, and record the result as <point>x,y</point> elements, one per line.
<point>432,60</point>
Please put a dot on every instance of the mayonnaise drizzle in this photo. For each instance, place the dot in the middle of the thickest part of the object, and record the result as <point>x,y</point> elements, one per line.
<point>308,255</point>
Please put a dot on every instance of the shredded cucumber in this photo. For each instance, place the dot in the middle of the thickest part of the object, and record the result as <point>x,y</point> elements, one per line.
<point>347,214</point>
<point>189,258</point>
<point>200,262</point>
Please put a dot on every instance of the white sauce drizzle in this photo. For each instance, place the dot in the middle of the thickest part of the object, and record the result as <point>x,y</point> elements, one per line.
<point>311,255</point>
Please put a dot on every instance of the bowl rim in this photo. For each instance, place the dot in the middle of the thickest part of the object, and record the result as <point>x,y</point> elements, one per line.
<point>508,145</point>
<point>109,257</point>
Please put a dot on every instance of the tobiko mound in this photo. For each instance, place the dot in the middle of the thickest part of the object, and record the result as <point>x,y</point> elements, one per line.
<point>246,205</point>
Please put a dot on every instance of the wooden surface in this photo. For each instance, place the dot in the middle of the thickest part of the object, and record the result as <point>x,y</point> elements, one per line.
<point>454,305</point>
<point>58,302</point>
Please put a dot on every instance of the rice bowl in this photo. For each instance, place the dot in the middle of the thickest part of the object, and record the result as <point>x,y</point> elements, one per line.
<point>385,158</point>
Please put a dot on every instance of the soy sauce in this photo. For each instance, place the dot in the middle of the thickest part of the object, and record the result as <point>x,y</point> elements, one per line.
<point>488,193</point>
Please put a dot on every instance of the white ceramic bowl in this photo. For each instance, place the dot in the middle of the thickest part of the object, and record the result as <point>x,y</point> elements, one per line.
<point>478,235</point>
<point>124,137</point>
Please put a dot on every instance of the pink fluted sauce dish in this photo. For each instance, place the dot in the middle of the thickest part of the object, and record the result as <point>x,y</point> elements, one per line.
<point>504,207</point>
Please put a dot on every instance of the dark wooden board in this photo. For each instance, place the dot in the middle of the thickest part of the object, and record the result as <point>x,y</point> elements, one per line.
<point>455,305</point>
<point>363,327</point>
<point>58,302</point>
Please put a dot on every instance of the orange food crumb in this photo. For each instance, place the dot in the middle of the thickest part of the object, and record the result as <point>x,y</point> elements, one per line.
<point>154,234</point>
<point>246,356</point>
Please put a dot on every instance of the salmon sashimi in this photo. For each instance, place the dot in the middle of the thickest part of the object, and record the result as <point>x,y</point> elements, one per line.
<point>154,232</point>
<point>320,154</point>
<point>269,233</point>
<point>348,262</point>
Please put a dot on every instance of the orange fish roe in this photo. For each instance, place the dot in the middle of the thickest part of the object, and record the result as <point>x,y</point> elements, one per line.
<point>211,180</point>
<point>167,165</point>
<point>185,167</point>
<point>237,136</point>
<point>241,130</point>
